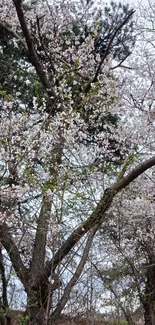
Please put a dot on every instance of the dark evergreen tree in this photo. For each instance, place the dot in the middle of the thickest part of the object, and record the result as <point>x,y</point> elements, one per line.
<point>115,37</point>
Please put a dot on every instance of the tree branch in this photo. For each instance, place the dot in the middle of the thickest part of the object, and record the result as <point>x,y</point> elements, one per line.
<point>125,312</point>
<point>97,216</point>
<point>135,273</point>
<point>62,302</point>
<point>43,45</point>
<point>33,57</point>
<point>12,250</point>
<point>4,282</point>
<point>14,34</point>
<point>126,19</point>
<point>137,171</point>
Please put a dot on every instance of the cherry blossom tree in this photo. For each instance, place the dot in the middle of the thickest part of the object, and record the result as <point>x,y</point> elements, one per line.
<point>130,229</point>
<point>59,144</point>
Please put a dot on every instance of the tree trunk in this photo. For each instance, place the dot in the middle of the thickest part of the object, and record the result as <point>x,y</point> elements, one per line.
<point>36,304</point>
<point>35,312</point>
<point>149,313</point>
<point>149,303</point>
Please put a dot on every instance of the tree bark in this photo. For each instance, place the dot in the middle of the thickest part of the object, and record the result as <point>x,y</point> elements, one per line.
<point>34,314</point>
<point>149,301</point>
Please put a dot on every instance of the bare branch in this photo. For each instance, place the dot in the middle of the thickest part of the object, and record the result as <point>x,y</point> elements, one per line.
<point>104,279</point>
<point>62,302</point>
<point>135,272</point>
<point>120,63</point>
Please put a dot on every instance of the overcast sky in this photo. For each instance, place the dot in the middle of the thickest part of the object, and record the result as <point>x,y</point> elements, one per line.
<point>135,3</point>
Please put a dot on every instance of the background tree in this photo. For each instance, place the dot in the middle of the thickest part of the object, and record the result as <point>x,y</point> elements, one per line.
<point>133,233</point>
